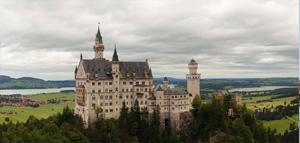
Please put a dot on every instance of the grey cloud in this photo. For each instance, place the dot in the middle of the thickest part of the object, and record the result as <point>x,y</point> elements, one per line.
<point>250,38</point>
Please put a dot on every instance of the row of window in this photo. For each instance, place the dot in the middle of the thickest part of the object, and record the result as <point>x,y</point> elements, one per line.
<point>124,83</point>
<point>127,103</point>
<point>123,90</point>
<point>165,103</point>
<point>167,108</point>
<point>174,97</point>
<point>112,110</point>
<point>110,97</point>
<point>117,109</point>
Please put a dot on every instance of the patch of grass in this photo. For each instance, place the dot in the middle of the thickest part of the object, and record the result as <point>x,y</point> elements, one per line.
<point>23,113</point>
<point>251,102</point>
<point>59,95</point>
<point>43,111</point>
<point>281,125</point>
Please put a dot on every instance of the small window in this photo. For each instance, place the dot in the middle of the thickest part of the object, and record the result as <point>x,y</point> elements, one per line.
<point>93,91</point>
<point>110,97</point>
<point>93,83</point>
<point>124,83</point>
<point>99,83</point>
<point>137,83</point>
<point>130,83</point>
<point>94,98</point>
<point>111,110</point>
<point>94,106</point>
<point>110,83</point>
<point>99,91</point>
<point>143,83</point>
<point>110,103</point>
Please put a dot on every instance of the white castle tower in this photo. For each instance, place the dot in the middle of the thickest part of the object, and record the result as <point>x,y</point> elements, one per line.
<point>193,79</point>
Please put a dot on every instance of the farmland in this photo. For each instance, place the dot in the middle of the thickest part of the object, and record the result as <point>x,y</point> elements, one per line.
<point>260,102</point>
<point>43,111</point>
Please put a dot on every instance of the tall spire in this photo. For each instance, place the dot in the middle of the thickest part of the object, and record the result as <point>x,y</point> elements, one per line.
<point>98,35</point>
<point>98,47</point>
<point>115,56</point>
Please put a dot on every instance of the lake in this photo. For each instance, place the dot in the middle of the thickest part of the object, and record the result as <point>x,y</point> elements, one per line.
<point>33,91</point>
<point>262,88</point>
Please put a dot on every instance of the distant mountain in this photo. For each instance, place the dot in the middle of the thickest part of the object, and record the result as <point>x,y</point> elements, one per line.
<point>7,82</point>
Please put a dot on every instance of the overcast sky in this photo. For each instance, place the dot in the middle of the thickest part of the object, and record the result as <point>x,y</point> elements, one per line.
<point>228,38</point>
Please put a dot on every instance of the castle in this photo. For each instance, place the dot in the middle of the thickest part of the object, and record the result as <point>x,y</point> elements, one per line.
<point>106,85</point>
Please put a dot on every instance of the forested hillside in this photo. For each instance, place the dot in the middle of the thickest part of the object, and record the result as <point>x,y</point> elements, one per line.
<point>7,82</point>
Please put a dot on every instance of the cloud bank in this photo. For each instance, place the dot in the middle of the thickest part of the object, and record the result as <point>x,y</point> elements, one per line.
<point>249,38</point>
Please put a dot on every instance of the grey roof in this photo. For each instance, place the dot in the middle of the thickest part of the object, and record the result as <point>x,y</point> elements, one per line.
<point>115,55</point>
<point>193,62</point>
<point>174,92</point>
<point>98,36</point>
<point>102,68</point>
<point>159,88</point>
<point>152,97</point>
<point>165,79</point>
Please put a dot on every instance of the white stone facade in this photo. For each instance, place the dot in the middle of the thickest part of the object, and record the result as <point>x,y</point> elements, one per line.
<point>103,84</point>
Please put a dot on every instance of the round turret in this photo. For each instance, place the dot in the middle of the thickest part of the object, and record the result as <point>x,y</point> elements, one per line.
<point>193,66</point>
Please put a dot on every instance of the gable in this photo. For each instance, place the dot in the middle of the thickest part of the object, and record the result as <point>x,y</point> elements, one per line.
<point>80,71</point>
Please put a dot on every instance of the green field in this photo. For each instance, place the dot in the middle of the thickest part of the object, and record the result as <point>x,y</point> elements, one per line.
<point>23,113</point>
<point>43,111</point>
<point>279,125</point>
<point>251,102</point>
<point>46,96</point>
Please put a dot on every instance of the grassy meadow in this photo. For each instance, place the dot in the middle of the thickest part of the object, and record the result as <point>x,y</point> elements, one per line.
<point>279,125</point>
<point>251,102</point>
<point>43,111</point>
<point>283,124</point>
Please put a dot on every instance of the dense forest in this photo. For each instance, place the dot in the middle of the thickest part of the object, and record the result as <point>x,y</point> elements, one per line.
<point>7,82</point>
<point>209,123</point>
